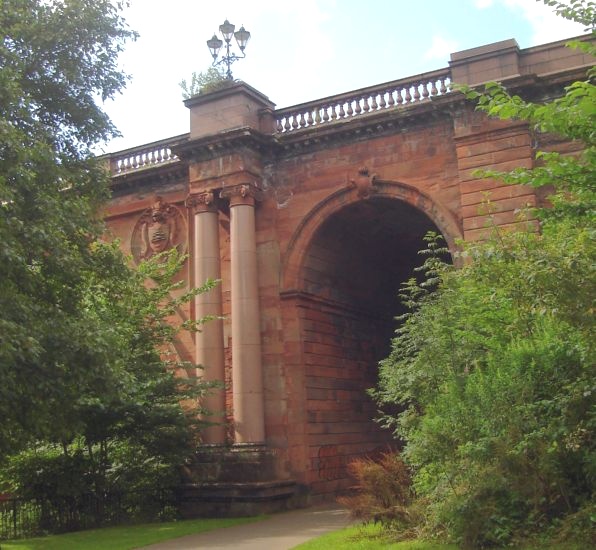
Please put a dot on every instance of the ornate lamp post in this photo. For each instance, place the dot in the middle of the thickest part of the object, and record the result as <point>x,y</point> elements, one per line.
<point>227,31</point>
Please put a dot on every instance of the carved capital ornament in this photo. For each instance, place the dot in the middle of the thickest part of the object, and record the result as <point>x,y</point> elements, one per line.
<point>202,202</point>
<point>245,193</point>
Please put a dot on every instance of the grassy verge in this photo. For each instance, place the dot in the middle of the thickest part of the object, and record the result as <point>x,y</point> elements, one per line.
<point>125,537</point>
<point>368,537</point>
<point>372,537</point>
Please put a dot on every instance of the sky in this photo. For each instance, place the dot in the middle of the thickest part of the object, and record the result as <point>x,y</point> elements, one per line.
<point>302,50</point>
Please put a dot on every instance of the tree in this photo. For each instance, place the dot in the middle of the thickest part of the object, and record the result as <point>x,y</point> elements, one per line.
<point>87,373</point>
<point>58,59</point>
<point>494,369</point>
<point>135,420</point>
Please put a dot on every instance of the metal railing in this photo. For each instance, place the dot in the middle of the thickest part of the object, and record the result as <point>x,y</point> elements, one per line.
<point>31,517</point>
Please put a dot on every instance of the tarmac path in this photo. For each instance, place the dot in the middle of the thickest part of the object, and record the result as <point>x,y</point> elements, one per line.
<point>281,531</point>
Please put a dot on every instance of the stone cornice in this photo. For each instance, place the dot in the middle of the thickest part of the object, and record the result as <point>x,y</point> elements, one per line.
<point>376,123</point>
<point>210,147</point>
<point>154,176</point>
<point>230,90</point>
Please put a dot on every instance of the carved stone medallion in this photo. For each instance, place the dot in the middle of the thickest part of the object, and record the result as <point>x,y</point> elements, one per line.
<point>160,227</point>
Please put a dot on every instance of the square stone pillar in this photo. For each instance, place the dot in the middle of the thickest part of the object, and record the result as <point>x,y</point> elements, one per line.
<point>236,106</point>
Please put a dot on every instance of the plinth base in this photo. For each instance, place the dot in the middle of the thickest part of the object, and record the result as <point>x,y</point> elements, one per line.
<point>236,481</point>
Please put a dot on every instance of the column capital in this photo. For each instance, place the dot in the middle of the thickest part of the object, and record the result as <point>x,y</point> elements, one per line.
<point>201,202</point>
<point>244,193</point>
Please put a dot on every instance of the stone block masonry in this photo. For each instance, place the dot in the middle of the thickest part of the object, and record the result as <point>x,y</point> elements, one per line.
<point>312,217</point>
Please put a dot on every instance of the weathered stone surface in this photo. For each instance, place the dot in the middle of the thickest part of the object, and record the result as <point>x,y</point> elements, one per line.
<point>341,204</point>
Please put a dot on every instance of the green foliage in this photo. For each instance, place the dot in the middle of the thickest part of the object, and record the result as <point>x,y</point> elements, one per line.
<point>88,380</point>
<point>369,537</point>
<point>56,59</point>
<point>204,82</point>
<point>581,11</point>
<point>494,370</point>
<point>126,429</point>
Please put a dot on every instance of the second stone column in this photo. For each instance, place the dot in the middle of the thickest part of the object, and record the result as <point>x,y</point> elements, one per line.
<point>247,376</point>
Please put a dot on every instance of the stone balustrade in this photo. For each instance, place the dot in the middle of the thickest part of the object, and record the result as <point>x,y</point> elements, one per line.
<point>151,155</point>
<point>389,95</point>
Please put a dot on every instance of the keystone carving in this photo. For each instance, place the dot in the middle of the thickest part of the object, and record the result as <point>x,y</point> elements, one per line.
<point>160,227</point>
<point>364,182</point>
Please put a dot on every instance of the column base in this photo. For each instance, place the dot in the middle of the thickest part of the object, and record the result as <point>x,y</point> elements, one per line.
<point>240,480</point>
<point>240,499</point>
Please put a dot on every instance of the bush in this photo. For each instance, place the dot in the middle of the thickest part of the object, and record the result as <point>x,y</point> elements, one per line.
<point>383,492</point>
<point>204,82</point>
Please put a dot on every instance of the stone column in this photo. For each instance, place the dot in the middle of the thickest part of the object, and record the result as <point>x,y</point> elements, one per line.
<point>247,376</point>
<point>209,342</point>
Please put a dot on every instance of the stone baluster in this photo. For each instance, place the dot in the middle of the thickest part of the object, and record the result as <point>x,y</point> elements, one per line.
<point>433,89</point>
<point>416,96</point>
<point>408,96</point>
<point>365,105</point>
<point>318,118</point>
<point>247,376</point>
<point>333,112</point>
<point>400,98</point>
<point>443,87</point>
<point>209,342</point>
<point>390,98</point>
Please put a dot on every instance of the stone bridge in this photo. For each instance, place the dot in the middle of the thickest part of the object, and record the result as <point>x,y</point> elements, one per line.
<point>312,216</point>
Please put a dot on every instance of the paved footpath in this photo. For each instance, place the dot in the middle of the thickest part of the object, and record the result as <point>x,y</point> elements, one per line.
<point>279,532</point>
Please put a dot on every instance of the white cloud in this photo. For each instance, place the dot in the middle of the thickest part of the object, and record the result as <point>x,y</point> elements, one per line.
<point>546,25</point>
<point>440,48</point>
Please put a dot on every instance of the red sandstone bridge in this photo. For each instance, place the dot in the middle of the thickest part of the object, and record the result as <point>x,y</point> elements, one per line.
<point>312,216</point>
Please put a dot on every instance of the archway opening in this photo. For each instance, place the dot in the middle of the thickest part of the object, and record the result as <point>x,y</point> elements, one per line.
<point>351,276</point>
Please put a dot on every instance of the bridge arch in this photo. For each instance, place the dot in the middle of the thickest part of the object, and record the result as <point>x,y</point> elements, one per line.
<point>443,219</point>
<point>343,269</point>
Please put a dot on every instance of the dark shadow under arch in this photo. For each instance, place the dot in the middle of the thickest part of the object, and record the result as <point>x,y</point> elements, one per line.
<point>442,219</point>
<point>342,274</point>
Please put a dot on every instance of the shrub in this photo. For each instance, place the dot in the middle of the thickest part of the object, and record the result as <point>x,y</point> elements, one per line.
<point>383,492</point>
<point>204,82</point>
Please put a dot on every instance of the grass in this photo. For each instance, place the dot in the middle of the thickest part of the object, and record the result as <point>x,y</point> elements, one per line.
<point>371,537</point>
<point>124,537</point>
<point>367,537</point>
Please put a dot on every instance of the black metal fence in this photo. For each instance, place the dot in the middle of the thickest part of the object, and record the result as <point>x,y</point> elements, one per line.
<point>24,518</point>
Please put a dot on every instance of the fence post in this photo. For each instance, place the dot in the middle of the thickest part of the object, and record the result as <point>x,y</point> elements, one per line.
<point>14,517</point>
